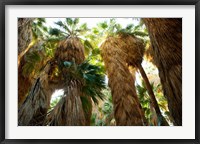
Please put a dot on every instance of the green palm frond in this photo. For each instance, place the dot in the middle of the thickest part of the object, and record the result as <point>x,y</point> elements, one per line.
<point>129,27</point>
<point>88,74</point>
<point>39,29</point>
<point>56,32</point>
<point>32,59</point>
<point>76,21</point>
<point>69,21</point>
<point>60,23</point>
<point>140,33</point>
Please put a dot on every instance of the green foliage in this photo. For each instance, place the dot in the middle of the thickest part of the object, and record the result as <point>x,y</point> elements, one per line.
<point>60,23</point>
<point>48,37</point>
<point>105,115</point>
<point>140,33</point>
<point>103,25</point>
<point>76,21</point>
<point>93,119</point>
<point>88,47</point>
<point>87,44</point>
<point>69,28</point>
<point>129,27</point>
<point>144,99</point>
<point>39,29</point>
<point>87,106</point>
<point>106,29</point>
<point>69,21</point>
<point>146,103</point>
<point>32,59</point>
<point>55,32</point>
<point>93,81</point>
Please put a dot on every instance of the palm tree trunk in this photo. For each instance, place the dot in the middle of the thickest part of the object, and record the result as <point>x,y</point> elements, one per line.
<point>24,84</point>
<point>75,115</point>
<point>162,120</point>
<point>166,40</point>
<point>24,40</point>
<point>34,109</point>
<point>24,33</point>
<point>127,109</point>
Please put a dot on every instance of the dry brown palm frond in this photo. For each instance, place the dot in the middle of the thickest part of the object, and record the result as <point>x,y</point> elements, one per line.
<point>149,55</point>
<point>69,111</point>
<point>134,48</point>
<point>57,117</point>
<point>70,49</point>
<point>166,33</point>
<point>166,40</point>
<point>126,107</point>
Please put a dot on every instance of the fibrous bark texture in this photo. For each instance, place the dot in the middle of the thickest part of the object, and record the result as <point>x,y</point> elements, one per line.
<point>127,109</point>
<point>166,40</point>
<point>69,110</point>
<point>34,109</point>
<point>24,39</point>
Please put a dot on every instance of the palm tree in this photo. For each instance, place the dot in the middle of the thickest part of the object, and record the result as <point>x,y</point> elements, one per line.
<point>166,40</point>
<point>70,50</point>
<point>127,109</point>
<point>135,49</point>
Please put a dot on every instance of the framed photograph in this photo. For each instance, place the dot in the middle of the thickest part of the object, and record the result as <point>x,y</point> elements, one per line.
<point>99,72</point>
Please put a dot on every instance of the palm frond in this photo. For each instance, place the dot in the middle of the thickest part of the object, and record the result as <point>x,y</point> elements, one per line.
<point>31,60</point>
<point>88,74</point>
<point>140,33</point>
<point>55,32</point>
<point>69,21</point>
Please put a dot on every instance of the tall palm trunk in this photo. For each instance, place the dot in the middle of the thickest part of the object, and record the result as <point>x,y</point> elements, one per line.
<point>24,34</point>
<point>24,40</point>
<point>24,84</point>
<point>135,49</point>
<point>166,39</point>
<point>127,109</point>
<point>160,117</point>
